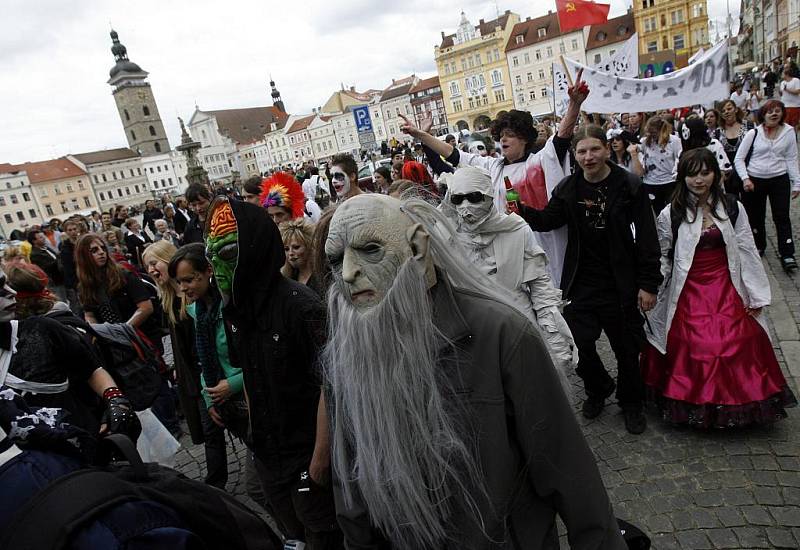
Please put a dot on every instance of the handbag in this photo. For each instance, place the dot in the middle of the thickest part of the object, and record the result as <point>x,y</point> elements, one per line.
<point>236,417</point>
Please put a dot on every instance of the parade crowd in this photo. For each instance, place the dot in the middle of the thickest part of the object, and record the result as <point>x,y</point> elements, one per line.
<point>395,356</point>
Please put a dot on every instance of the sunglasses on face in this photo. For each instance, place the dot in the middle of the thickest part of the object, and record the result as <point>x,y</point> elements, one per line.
<point>476,197</point>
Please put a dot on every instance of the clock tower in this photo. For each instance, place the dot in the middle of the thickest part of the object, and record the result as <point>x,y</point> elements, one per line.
<point>136,104</point>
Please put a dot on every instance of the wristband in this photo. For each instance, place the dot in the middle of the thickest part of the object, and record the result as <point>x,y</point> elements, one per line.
<point>111,393</point>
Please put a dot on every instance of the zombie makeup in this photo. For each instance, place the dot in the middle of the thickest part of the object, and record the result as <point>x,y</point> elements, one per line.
<point>341,181</point>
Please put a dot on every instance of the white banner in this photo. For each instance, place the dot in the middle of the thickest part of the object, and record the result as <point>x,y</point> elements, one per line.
<point>704,81</point>
<point>625,62</point>
<point>560,86</point>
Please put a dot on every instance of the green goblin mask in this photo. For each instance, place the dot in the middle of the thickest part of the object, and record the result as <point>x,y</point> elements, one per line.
<point>222,247</point>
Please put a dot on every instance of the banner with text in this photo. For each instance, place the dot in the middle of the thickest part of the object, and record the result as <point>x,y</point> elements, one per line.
<point>707,79</point>
<point>625,62</point>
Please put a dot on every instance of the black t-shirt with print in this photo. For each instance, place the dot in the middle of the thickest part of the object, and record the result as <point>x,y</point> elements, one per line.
<point>594,278</point>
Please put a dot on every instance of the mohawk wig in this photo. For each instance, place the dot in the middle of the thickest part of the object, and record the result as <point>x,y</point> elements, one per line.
<point>282,190</point>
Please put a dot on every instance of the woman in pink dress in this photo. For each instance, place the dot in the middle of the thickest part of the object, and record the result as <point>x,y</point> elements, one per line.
<point>710,362</point>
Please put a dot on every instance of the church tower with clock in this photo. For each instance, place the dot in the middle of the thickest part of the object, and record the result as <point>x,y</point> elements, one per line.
<point>136,104</point>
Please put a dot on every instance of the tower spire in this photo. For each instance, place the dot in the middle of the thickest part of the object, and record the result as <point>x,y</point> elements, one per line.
<point>276,96</point>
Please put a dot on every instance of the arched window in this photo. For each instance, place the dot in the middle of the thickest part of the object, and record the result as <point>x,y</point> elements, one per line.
<point>133,135</point>
<point>152,131</point>
<point>146,110</point>
<point>127,116</point>
<point>157,147</point>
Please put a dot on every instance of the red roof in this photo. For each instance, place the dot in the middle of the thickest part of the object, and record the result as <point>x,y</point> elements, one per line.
<point>6,168</point>
<point>431,82</point>
<point>529,31</point>
<point>300,124</point>
<point>97,157</point>
<point>612,31</point>
<point>249,124</point>
<point>51,170</point>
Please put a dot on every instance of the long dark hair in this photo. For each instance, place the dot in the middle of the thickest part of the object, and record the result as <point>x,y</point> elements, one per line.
<point>91,278</point>
<point>692,163</point>
<point>626,156</point>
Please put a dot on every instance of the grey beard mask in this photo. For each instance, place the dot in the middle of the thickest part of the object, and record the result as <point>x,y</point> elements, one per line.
<point>394,441</point>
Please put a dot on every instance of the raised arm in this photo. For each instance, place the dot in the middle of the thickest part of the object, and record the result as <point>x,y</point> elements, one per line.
<point>421,133</point>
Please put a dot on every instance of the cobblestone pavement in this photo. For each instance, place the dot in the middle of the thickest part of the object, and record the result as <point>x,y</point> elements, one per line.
<point>687,489</point>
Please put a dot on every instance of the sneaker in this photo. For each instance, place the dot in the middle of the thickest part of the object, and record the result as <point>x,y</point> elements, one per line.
<point>594,404</point>
<point>789,263</point>
<point>635,421</point>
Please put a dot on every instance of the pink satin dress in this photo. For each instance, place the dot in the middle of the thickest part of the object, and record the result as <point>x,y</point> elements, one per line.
<point>720,369</point>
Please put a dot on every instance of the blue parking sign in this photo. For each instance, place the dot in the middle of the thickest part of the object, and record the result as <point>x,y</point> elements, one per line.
<point>363,120</point>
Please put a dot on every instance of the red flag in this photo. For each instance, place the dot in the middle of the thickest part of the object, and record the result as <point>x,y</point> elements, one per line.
<point>575,14</point>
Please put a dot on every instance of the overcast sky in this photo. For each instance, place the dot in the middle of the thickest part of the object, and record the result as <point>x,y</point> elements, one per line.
<point>55,57</point>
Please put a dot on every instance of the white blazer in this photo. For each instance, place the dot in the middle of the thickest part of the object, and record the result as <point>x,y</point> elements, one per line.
<point>744,264</point>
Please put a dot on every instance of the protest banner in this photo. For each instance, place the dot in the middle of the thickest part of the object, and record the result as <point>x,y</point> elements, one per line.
<point>625,62</point>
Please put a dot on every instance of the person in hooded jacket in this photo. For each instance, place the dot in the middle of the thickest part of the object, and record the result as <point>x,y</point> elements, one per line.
<point>504,248</point>
<point>277,328</point>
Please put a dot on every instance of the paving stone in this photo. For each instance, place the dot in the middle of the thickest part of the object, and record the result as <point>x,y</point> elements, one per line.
<point>693,539</point>
<point>666,541</point>
<point>757,515</point>
<point>737,497</point>
<point>765,462</point>
<point>751,537</point>
<point>789,463</point>
<point>786,516</point>
<point>709,498</point>
<point>781,538</point>
<point>730,517</point>
<point>768,495</point>
<point>659,524</point>
<point>791,352</point>
<point>723,538</point>
<point>791,495</point>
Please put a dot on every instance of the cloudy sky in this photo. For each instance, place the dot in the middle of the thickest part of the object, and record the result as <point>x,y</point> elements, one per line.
<point>55,57</point>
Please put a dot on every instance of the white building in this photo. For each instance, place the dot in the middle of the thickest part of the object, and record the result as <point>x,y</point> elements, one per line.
<point>532,48</point>
<point>166,173</point>
<point>344,126</point>
<point>278,152</point>
<point>116,175</point>
<point>18,206</point>
<point>299,139</point>
<point>323,138</point>
<point>223,132</point>
<point>394,101</point>
<point>604,40</point>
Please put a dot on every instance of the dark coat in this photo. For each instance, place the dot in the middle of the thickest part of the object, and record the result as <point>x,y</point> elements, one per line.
<point>193,232</point>
<point>48,261</point>
<point>535,460</point>
<point>180,220</point>
<point>135,246</point>
<point>277,327</point>
<point>67,253</point>
<point>149,218</point>
<point>635,263</point>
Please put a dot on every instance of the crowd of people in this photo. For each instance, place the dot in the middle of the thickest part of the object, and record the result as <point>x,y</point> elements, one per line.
<point>395,357</point>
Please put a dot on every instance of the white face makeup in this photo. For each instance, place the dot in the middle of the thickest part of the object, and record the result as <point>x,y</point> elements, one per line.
<point>367,244</point>
<point>8,299</point>
<point>341,181</point>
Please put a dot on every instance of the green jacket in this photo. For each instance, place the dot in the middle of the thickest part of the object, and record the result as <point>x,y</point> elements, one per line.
<point>231,373</point>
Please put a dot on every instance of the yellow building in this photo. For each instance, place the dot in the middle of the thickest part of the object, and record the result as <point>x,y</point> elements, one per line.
<point>473,71</point>
<point>678,25</point>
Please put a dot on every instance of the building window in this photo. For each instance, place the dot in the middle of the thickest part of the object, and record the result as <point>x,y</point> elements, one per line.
<point>499,96</point>
<point>31,213</point>
<point>497,78</point>
<point>520,39</point>
<point>2,201</point>
<point>26,197</point>
<point>102,196</point>
<point>127,190</point>
<point>530,77</point>
<point>541,74</point>
<point>457,106</point>
<point>48,209</point>
<point>652,46</point>
<point>454,90</point>
<point>42,193</point>
<point>20,216</point>
<point>533,95</point>
<point>562,48</point>
<point>95,179</point>
<point>677,17</point>
<point>597,58</point>
<point>538,55</point>
<point>56,189</point>
<point>133,135</point>
<point>105,179</point>
<point>518,79</point>
<point>146,110</point>
<point>574,44</point>
<point>549,51</point>
<point>136,187</point>
<point>544,92</point>
<point>697,10</point>
<point>520,99</point>
<point>9,219</point>
<point>74,204</point>
<point>542,32</point>
<point>87,202</point>
<point>64,207</point>
<point>132,174</point>
<point>515,61</point>
<point>526,58</point>
<point>81,186</point>
<point>14,199</point>
<point>127,116</point>
<point>157,147</point>
<point>152,130</point>
<point>677,42</point>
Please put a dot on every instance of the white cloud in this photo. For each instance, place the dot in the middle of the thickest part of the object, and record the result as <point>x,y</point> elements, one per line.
<point>56,58</point>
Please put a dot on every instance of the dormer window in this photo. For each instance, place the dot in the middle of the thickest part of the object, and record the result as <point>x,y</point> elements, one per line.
<point>520,39</point>
<point>542,32</point>
<point>622,30</point>
<point>601,36</point>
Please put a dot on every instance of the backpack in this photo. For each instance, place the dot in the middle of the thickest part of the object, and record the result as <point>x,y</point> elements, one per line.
<point>129,357</point>
<point>54,515</point>
<point>731,203</point>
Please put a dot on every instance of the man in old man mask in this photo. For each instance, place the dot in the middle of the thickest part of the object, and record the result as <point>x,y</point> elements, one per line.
<point>443,436</point>
<point>504,248</point>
